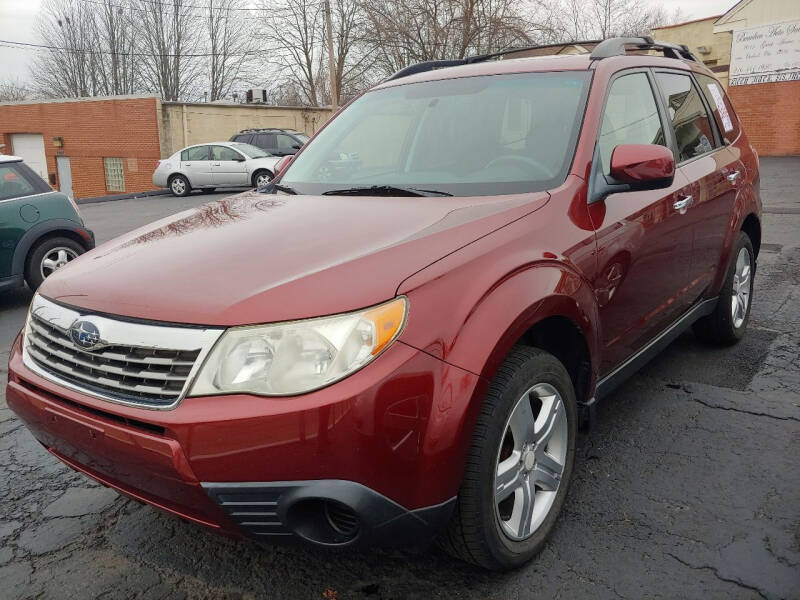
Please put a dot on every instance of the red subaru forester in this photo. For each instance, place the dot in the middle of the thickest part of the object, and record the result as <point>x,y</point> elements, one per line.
<point>398,337</point>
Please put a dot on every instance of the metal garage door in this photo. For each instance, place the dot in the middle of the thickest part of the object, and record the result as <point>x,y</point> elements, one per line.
<point>30,146</point>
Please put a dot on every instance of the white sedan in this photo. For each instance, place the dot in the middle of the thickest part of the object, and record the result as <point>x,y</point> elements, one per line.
<point>215,165</point>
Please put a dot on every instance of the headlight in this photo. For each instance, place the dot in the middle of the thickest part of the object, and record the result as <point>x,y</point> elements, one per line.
<point>291,358</point>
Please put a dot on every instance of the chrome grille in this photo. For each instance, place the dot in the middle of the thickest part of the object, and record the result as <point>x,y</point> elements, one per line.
<point>135,363</point>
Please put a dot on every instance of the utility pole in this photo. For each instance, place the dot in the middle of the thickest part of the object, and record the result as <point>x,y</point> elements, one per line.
<point>329,27</point>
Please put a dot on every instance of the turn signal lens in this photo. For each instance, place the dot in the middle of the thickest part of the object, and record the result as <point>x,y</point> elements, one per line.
<point>388,319</point>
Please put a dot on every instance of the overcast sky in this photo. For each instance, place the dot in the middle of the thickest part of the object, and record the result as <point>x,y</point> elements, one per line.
<point>17,16</point>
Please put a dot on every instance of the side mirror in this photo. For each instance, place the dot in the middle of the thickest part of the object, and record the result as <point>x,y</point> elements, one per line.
<point>643,166</point>
<point>281,164</point>
<point>239,159</point>
<point>297,146</point>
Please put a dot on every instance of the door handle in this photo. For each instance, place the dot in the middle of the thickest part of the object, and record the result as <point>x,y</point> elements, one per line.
<point>216,164</point>
<point>682,204</point>
<point>732,177</point>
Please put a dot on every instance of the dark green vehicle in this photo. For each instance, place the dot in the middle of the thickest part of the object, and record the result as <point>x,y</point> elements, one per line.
<point>40,229</point>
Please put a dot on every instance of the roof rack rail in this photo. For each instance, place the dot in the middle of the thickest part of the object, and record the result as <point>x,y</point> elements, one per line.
<point>430,65</point>
<point>617,47</point>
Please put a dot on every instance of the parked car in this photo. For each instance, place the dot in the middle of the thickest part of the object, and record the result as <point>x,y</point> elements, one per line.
<point>41,230</point>
<point>398,338</point>
<point>277,142</point>
<point>215,165</point>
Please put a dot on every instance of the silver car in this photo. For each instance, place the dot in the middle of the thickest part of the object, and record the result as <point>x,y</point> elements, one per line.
<point>215,165</point>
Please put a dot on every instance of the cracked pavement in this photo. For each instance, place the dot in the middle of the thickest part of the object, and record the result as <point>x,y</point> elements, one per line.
<point>687,486</point>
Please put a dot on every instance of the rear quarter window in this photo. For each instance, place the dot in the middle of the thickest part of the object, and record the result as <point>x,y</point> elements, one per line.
<point>14,183</point>
<point>721,107</point>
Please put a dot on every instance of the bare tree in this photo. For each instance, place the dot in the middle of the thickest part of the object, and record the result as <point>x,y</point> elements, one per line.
<point>601,19</point>
<point>70,69</point>
<point>230,45</point>
<point>295,27</point>
<point>419,30</point>
<point>119,63</point>
<point>14,91</point>
<point>169,32</point>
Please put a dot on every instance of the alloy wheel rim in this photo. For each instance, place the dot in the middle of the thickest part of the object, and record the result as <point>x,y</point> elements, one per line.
<point>262,180</point>
<point>178,186</point>
<point>55,259</point>
<point>530,461</point>
<point>742,282</point>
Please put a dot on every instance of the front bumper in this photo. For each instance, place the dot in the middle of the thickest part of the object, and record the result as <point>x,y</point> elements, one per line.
<point>383,449</point>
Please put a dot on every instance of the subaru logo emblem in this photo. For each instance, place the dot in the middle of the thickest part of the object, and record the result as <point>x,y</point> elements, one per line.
<point>84,334</point>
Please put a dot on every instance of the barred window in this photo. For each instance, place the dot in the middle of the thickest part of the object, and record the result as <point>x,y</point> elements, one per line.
<point>115,175</point>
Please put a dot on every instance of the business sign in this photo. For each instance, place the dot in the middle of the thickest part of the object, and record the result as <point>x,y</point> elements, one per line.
<point>766,54</point>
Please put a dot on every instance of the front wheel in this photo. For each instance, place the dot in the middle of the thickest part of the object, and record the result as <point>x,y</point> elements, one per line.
<point>727,324</point>
<point>520,464</point>
<point>261,178</point>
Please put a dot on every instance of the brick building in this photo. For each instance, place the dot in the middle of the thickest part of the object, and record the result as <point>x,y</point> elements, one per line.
<point>96,146</point>
<point>754,49</point>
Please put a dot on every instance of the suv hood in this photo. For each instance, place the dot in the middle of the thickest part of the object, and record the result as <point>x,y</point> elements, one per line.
<point>257,258</point>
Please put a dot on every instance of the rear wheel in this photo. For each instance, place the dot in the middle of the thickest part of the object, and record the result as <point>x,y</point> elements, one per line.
<point>520,464</point>
<point>48,256</point>
<point>179,186</point>
<point>727,324</point>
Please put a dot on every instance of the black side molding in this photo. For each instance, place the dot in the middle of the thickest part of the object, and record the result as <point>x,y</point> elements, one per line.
<point>656,345</point>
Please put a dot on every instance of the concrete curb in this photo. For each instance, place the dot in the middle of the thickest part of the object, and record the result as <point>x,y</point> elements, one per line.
<point>112,197</point>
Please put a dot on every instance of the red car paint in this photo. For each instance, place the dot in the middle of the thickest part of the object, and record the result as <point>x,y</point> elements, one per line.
<point>478,274</point>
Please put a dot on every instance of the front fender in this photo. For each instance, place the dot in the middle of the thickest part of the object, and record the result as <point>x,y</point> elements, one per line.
<point>477,336</point>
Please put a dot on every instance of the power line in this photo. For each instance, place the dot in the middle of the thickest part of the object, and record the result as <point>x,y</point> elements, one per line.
<point>29,46</point>
<point>199,6</point>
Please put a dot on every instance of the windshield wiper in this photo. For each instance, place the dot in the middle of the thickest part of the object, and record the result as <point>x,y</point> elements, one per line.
<point>271,187</point>
<point>384,190</point>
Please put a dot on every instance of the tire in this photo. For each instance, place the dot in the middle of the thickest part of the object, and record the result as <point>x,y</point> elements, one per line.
<point>482,531</point>
<point>179,186</point>
<point>258,178</point>
<point>208,190</point>
<point>727,324</point>
<point>56,251</point>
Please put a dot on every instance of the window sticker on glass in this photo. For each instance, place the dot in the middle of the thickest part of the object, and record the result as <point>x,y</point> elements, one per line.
<point>723,112</point>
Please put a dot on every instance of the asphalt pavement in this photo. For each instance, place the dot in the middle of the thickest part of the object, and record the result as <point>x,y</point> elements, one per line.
<point>687,485</point>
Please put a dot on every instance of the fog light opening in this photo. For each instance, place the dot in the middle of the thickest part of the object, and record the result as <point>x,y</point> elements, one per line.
<point>323,521</point>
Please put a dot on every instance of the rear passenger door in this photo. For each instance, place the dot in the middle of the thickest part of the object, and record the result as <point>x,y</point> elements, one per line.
<point>265,141</point>
<point>196,164</point>
<point>710,168</point>
<point>644,242</point>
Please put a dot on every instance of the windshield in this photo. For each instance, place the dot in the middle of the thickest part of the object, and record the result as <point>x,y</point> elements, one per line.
<point>248,150</point>
<point>487,135</point>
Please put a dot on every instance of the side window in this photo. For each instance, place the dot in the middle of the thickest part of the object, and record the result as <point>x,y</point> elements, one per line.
<point>244,138</point>
<point>721,106</point>
<point>285,142</point>
<point>13,183</point>
<point>688,115</point>
<point>630,117</point>
<point>264,141</point>
<point>224,153</point>
<point>196,153</point>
